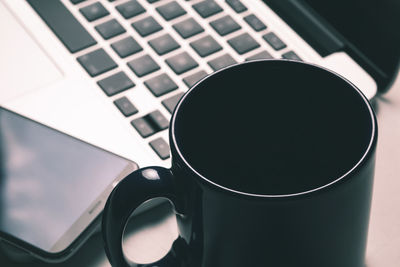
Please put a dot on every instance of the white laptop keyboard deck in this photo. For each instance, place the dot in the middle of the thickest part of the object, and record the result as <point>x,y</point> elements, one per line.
<point>158,48</point>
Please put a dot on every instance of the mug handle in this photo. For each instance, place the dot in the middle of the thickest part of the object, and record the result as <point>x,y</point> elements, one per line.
<point>138,187</point>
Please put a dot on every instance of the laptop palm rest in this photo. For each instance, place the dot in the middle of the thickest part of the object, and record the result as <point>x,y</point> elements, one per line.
<point>25,67</point>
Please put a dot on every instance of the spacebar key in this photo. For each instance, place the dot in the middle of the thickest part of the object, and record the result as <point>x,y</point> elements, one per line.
<point>64,25</point>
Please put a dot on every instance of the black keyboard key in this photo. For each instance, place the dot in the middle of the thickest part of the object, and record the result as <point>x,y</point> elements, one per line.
<point>181,63</point>
<point>64,25</point>
<point>292,56</point>
<point>171,102</point>
<point>207,8</point>
<point>130,9</point>
<point>164,44</point>
<point>97,62</point>
<point>260,55</point>
<point>221,62</point>
<point>143,127</point>
<point>150,124</point>
<point>274,41</point>
<point>171,10</point>
<point>225,25</point>
<point>188,28</point>
<point>143,65</point>
<point>76,1</point>
<point>126,47</point>
<point>255,23</point>
<point>206,46</point>
<point>157,120</point>
<point>160,147</point>
<point>160,85</point>
<point>146,26</point>
<point>110,29</point>
<point>115,84</point>
<point>194,78</point>
<point>237,5</point>
<point>243,43</point>
<point>125,106</point>
<point>94,11</point>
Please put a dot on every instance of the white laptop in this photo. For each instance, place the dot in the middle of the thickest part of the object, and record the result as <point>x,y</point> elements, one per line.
<point>110,72</point>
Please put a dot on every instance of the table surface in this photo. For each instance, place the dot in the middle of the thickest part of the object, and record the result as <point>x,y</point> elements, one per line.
<point>149,235</point>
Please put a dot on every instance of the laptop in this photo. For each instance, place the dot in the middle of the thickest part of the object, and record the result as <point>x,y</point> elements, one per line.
<point>110,72</point>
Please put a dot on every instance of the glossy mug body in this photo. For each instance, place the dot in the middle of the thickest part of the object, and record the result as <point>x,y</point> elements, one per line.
<point>325,228</point>
<point>285,183</point>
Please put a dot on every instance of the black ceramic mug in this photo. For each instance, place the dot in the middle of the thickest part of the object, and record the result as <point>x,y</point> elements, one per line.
<point>272,165</point>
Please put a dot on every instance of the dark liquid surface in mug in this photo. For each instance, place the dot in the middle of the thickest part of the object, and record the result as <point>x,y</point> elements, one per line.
<point>273,132</point>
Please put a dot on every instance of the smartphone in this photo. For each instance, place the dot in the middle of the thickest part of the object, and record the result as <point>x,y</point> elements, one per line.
<point>53,187</point>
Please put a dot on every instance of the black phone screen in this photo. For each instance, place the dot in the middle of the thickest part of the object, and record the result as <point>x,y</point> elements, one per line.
<point>47,179</point>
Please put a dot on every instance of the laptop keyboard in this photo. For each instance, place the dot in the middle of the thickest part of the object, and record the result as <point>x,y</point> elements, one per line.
<point>198,46</point>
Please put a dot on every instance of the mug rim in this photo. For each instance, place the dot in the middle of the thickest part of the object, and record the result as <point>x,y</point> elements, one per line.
<point>363,158</point>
